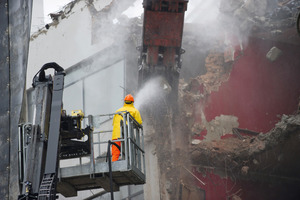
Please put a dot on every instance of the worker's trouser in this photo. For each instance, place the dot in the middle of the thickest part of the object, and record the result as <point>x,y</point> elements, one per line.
<point>115,152</point>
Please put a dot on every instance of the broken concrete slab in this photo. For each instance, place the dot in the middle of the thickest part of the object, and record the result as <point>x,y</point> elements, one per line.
<point>255,154</point>
<point>273,54</point>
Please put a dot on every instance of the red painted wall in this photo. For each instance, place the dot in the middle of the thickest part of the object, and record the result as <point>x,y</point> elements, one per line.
<point>258,92</point>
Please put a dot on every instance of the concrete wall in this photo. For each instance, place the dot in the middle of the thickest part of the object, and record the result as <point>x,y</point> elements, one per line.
<point>258,91</point>
<point>65,43</point>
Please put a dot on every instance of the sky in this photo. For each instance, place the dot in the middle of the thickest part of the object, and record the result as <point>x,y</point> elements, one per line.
<point>51,6</point>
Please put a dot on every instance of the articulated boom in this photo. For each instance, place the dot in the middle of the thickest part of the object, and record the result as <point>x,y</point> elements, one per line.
<point>52,135</point>
<point>49,138</point>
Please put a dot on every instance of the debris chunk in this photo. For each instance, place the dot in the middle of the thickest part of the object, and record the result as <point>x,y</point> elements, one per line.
<point>195,141</point>
<point>273,54</point>
<point>235,197</point>
<point>245,170</point>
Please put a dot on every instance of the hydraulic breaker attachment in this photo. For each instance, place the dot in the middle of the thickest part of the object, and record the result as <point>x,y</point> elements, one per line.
<point>160,53</point>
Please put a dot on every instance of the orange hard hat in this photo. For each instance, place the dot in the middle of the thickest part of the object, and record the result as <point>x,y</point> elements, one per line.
<point>129,97</point>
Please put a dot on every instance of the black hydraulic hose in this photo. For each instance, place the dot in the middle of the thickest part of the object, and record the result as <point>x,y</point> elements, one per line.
<point>110,170</point>
<point>42,77</point>
<point>54,66</point>
<point>108,156</point>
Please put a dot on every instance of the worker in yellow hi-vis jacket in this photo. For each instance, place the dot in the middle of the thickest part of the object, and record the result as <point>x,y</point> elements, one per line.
<point>116,134</point>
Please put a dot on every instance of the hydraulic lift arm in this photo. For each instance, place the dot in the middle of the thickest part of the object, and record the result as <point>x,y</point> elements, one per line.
<point>49,138</point>
<point>48,186</point>
<point>35,138</point>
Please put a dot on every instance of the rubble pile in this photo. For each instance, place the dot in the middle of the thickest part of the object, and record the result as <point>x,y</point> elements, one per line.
<point>272,152</point>
<point>195,93</point>
<point>250,157</point>
<point>246,156</point>
<point>211,81</point>
<point>215,75</point>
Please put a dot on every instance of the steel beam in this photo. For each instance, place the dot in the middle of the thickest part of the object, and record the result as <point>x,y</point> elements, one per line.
<point>4,101</point>
<point>15,17</point>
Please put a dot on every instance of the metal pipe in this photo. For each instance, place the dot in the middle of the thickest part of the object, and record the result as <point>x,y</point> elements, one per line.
<point>110,171</point>
<point>135,122</point>
<point>139,153</point>
<point>20,153</point>
<point>91,137</point>
<point>126,146</point>
<point>99,145</point>
<point>109,131</point>
<point>132,141</point>
<point>95,195</point>
<point>194,175</point>
<point>129,141</point>
<point>143,153</point>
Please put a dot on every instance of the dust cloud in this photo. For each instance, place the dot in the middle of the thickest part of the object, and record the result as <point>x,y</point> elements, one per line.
<point>152,92</point>
<point>222,18</point>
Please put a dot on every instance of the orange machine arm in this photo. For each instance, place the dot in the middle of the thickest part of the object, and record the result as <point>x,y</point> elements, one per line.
<point>162,38</point>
